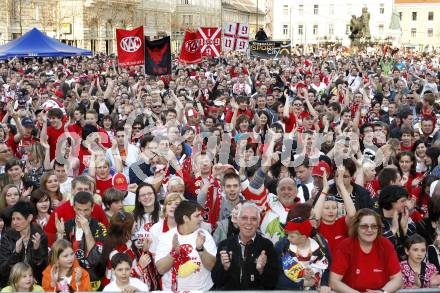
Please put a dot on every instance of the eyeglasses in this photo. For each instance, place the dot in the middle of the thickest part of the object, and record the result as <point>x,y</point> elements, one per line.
<point>137,128</point>
<point>366,227</point>
<point>156,106</point>
<point>297,104</point>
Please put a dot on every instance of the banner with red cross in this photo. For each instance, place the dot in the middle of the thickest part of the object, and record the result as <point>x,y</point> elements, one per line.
<point>236,37</point>
<point>211,41</point>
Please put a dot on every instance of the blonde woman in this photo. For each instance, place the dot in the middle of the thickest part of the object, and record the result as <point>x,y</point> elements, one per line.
<point>167,222</point>
<point>367,177</point>
<point>21,279</point>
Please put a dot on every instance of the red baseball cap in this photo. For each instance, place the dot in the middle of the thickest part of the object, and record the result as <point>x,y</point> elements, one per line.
<point>318,170</point>
<point>120,182</point>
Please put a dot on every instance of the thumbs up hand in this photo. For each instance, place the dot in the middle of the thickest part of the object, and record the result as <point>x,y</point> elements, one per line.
<point>261,262</point>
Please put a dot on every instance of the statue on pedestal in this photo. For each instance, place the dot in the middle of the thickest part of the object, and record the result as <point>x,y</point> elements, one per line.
<point>360,27</point>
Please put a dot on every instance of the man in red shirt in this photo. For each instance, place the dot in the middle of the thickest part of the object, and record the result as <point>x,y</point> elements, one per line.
<point>66,212</point>
<point>52,132</point>
<point>242,109</point>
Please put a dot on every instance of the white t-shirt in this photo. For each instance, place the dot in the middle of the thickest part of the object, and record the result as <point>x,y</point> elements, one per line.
<point>66,187</point>
<point>142,230</point>
<point>112,287</point>
<point>199,279</point>
<point>155,235</point>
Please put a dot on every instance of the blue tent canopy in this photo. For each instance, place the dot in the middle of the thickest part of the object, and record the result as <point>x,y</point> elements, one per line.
<point>37,44</point>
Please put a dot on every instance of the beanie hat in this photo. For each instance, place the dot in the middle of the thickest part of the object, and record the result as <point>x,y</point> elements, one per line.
<point>305,227</point>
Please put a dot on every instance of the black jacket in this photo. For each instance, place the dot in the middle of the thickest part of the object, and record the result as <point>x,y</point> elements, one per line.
<point>36,258</point>
<point>92,262</point>
<point>243,275</point>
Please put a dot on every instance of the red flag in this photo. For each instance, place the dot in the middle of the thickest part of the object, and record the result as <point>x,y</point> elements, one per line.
<point>190,52</point>
<point>130,46</point>
<point>210,41</point>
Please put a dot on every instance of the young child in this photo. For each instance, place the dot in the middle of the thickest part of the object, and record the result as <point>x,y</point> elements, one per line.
<point>416,273</point>
<point>121,268</point>
<point>21,279</point>
<point>434,250</point>
<point>64,274</point>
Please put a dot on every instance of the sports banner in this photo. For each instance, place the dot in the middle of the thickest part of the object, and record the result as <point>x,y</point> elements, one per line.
<point>269,49</point>
<point>130,46</point>
<point>190,52</point>
<point>158,56</point>
<point>210,41</point>
<point>236,37</point>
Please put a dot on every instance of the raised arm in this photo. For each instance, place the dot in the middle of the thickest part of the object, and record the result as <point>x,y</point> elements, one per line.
<point>350,209</point>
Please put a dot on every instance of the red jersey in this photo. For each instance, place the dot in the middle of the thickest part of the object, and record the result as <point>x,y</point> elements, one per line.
<point>289,123</point>
<point>334,233</point>
<point>84,158</point>
<point>362,271</point>
<point>52,135</point>
<point>103,185</point>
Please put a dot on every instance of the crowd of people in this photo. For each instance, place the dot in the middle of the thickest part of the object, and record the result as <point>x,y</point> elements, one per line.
<point>316,171</point>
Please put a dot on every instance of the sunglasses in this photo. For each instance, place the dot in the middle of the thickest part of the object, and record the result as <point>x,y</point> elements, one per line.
<point>366,227</point>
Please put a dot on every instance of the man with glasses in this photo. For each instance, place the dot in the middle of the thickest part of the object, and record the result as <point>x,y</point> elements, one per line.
<point>246,261</point>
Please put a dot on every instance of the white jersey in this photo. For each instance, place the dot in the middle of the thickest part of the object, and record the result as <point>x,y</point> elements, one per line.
<point>200,277</point>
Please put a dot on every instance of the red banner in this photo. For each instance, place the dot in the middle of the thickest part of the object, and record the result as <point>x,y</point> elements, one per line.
<point>210,41</point>
<point>190,52</point>
<point>130,46</point>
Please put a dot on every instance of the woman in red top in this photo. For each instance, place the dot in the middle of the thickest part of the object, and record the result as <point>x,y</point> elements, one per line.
<point>366,260</point>
<point>407,169</point>
<point>334,229</point>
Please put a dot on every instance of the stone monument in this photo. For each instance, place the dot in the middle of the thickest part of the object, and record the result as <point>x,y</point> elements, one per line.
<point>360,28</point>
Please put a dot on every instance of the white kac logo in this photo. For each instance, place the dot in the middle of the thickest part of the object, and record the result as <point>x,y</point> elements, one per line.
<point>131,44</point>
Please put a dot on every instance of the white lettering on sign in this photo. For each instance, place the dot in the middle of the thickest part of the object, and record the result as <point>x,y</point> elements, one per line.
<point>131,44</point>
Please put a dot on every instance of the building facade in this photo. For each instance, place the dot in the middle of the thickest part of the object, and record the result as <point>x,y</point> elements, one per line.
<point>318,21</point>
<point>88,24</point>
<point>420,23</point>
<point>91,24</point>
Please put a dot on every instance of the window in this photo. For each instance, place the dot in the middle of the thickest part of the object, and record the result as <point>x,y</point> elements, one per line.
<point>380,30</point>
<point>414,16</point>
<point>186,2</point>
<point>430,33</point>
<point>430,15</point>
<point>413,33</point>
<point>301,9</point>
<point>331,29</point>
<point>400,15</point>
<point>300,30</point>
<point>315,9</point>
<point>285,29</point>
<point>286,10</point>
<point>315,29</point>
<point>382,8</point>
<point>187,19</point>
<point>332,9</point>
